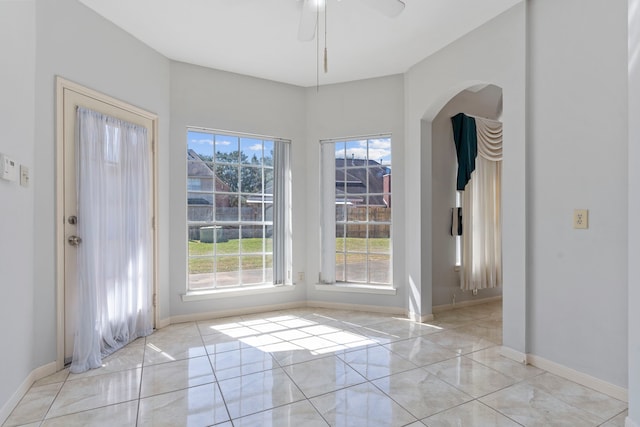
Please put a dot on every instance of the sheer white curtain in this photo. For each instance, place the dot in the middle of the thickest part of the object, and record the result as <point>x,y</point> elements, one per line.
<point>482,212</point>
<point>114,258</point>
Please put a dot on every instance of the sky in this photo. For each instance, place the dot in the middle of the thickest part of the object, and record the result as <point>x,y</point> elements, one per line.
<point>203,143</point>
<point>378,150</point>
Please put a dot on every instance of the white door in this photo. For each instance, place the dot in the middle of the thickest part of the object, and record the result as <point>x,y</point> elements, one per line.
<point>71,100</point>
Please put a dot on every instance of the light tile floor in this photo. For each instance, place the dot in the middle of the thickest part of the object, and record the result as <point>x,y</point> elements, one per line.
<point>318,367</point>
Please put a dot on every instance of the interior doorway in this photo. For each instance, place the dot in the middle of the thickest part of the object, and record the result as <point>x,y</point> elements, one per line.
<point>71,97</point>
<point>482,101</point>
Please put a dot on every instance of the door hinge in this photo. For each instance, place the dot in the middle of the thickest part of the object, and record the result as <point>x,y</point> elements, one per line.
<point>153,222</point>
<point>155,300</point>
<point>153,146</point>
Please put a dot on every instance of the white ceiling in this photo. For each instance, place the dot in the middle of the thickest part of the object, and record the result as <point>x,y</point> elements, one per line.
<point>259,37</point>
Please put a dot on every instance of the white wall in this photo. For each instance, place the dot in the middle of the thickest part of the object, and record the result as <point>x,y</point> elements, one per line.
<point>220,100</point>
<point>444,166</point>
<point>577,158</point>
<point>75,43</point>
<point>493,53</point>
<point>634,212</point>
<point>366,107</point>
<point>17,75</point>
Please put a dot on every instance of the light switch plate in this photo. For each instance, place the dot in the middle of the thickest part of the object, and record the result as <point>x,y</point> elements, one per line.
<point>24,176</point>
<point>581,218</point>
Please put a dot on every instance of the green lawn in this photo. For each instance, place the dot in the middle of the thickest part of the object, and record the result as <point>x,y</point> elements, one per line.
<point>201,254</point>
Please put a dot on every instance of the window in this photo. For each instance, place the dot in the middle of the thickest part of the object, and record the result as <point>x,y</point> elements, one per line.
<point>356,211</point>
<point>237,210</point>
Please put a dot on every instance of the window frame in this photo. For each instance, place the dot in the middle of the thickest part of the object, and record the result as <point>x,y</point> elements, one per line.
<point>274,230</point>
<point>330,222</point>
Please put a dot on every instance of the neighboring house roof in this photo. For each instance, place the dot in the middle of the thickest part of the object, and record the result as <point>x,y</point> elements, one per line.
<point>353,181</point>
<point>198,168</point>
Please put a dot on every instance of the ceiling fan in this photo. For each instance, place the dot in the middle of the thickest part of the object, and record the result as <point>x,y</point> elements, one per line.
<point>311,8</point>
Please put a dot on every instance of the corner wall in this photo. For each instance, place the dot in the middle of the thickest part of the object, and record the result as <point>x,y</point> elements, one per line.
<point>74,42</point>
<point>213,99</point>
<point>429,85</point>
<point>634,212</point>
<point>17,106</point>
<point>365,107</point>
<point>577,158</point>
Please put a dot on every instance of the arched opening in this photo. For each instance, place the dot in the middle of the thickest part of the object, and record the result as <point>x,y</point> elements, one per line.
<point>483,100</point>
<point>420,253</point>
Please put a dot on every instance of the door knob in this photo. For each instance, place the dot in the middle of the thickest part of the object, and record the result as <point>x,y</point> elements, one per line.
<point>74,240</point>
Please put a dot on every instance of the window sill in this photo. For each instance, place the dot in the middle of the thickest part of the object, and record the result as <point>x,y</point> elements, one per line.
<point>234,292</point>
<point>357,288</point>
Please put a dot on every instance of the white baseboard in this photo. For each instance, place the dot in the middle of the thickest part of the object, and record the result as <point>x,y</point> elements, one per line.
<point>596,384</point>
<point>415,317</point>
<point>628,422</point>
<point>163,323</point>
<point>447,307</point>
<point>356,307</point>
<point>35,375</point>
<point>226,313</point>
<point>296,304</point>
<point>514,355</point>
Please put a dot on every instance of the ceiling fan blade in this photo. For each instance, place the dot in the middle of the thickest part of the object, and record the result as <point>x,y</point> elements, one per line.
<point>390,8</point>
<point>308,19</point>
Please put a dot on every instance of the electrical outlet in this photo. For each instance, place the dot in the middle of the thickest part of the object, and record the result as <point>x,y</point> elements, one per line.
<point>301,276</point>
<point>580,218</point>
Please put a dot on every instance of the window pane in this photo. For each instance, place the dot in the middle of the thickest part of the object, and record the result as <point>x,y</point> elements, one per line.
<point>356,180</point>
<point>199,213</point>
<point>227,240</point>
<point>200,146</point>
<point>340,153</point>
<point>251,239</point>
<point>340,239</point>
<point>356,153</point>
<point>356,268</point>
<point>380,151</point>
<point>268,269</point>
<point>226,178</point>
<point>227,213</point>
<point>268,211</point>
<point>340,277</point>
<point>227,149</point>
<point>378,244</point>
<point>250,208</point>
<point>228,271</point>
<point>268,182</point>
<point>356,213</point>
<point>251,151</point>
<point>252,269</point>
<point>268,153</point>
<point>199,280</point>
<point>251,180</point>
<point>201,246</point>
<point>380,268</point>
<point>268,239</point>
<point>377,213</point>
<point>341,211</point>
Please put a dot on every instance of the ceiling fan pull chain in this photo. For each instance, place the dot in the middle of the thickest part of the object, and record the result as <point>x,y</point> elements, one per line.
<point>326,63</point>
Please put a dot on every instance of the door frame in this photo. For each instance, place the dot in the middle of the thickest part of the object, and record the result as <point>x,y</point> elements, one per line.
<point>62,85</point>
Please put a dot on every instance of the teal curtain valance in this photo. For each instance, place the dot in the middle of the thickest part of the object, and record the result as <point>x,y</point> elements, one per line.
<point>466,139</point>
